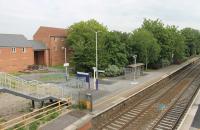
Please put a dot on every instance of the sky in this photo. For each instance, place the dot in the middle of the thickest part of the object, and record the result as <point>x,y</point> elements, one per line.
<point>26,16</point>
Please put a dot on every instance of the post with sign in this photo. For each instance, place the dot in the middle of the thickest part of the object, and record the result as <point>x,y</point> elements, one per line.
<point>95,79</point>
<point>94,68</point>
<point>66,66</point>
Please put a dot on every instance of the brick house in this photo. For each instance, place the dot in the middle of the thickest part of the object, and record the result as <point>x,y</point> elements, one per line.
<point>16,53</point>
<point>46,48</point>
<point>54,39</point>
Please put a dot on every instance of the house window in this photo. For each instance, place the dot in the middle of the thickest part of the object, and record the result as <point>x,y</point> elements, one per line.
<point>23,50</point>
<point>13,50</point>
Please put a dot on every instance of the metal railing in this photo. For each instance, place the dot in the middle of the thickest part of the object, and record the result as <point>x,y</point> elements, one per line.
<point>27,119</point>
<point>34,88</point>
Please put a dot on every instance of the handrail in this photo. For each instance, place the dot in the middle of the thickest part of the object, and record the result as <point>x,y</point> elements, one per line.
<point>37,88</point>
<point>27,117</point>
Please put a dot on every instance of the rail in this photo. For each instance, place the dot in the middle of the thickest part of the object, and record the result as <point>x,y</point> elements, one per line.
<point>25,120</point>
<point>102,119</point>
<point>33,88</point>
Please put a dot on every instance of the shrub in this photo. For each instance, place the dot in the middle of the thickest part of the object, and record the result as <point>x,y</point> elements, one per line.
<point>113,70</point>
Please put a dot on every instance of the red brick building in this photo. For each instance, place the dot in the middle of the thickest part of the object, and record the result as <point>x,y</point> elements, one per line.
<point>54,39</point>
<point>16,53</point>
<point>46,48</point>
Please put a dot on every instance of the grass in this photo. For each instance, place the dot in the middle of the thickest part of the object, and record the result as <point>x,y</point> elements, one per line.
<point>17,73</point>
<point>35,125</point>
<point>2,120</point>
<point>59,67</point>
<point>52,77</point>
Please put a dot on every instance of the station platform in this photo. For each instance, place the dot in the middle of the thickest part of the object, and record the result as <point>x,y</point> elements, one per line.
<point>192,118</point>
<point>127,89</point>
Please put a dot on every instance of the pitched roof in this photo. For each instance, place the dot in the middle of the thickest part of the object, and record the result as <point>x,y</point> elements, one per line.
<point>13,40</point>
<point>37,45</point>
<point>51,31</point>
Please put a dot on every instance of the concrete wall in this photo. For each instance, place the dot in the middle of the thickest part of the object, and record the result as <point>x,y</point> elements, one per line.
<point>13,62</point>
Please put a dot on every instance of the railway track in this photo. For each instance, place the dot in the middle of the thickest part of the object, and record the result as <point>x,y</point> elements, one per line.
<point>171,119</point>
<point>161,108</point>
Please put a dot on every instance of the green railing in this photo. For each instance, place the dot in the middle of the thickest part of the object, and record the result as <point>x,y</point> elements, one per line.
<point>34,88</point>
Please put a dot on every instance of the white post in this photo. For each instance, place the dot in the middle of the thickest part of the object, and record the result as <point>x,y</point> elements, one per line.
<point>134,80</point>
<point>135,66</point>
<point>96,57</point>
<point>94,79</point>
<point>65,55</point>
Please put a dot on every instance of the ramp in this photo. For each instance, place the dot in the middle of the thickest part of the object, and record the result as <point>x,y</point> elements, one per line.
<point>32,90</point>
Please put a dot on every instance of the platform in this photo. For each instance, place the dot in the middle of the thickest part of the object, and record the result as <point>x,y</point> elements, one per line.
<point>127,89</point>
<point>192,118</point>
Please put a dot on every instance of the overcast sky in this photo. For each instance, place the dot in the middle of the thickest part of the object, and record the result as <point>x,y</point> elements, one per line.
<point>25,16</point>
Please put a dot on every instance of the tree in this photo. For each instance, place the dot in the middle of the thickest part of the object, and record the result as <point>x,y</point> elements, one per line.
<point>175,44</point>
<point>142,43</point>
<point>115,46</point>
<point>192,41</point>
<point>169,38</point>
<point>157,28</point>
<point>81,38</point>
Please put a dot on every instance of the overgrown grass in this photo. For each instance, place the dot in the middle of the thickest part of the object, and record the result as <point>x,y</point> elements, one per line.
<point>36,124</point>
<point>2,119</point>
<point>52,77</point>
<point>59,67</point>
<point>17,73</point>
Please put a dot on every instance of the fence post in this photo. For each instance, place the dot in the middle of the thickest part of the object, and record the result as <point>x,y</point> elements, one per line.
<point>59,104</point>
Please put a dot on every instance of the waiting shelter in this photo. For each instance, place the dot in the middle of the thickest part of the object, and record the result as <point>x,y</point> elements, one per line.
<point>132,69</point>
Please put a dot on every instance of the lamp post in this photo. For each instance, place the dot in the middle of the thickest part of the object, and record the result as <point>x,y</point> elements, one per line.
<point>96,33</point>
<point>66,64</point>
<point>134,79</point>
<point>135,57</point>
<point>94,68</point>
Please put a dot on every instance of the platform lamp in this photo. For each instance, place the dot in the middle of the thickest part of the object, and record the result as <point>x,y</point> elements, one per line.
<point>66,64</point>
<point>134,79</point>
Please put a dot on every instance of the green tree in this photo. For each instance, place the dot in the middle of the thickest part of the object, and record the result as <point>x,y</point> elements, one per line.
<point>157,28</point>
<point>169,38</point>
<point>142,43</point>
<point>81,38</point>
<point>115,47</point>
<point>175,44</point>
<point>192,41</point>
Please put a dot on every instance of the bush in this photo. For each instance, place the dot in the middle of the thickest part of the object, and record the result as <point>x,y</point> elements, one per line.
<point>34,126</point>
<point>113,70</point>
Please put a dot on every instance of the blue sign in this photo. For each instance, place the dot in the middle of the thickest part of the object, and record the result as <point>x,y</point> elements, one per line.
<point>84,75</point>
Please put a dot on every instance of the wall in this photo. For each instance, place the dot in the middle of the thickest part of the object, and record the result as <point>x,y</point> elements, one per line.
<point>13,62</point>
<point>54,39</point>
<point>57,54</point>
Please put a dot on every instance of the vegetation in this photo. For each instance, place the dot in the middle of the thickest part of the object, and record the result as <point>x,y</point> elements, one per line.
<point>41,119</point>
<point>52,77</point>
<point>155,44</point>
<point>145,46</point>
<point>113,70</point>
